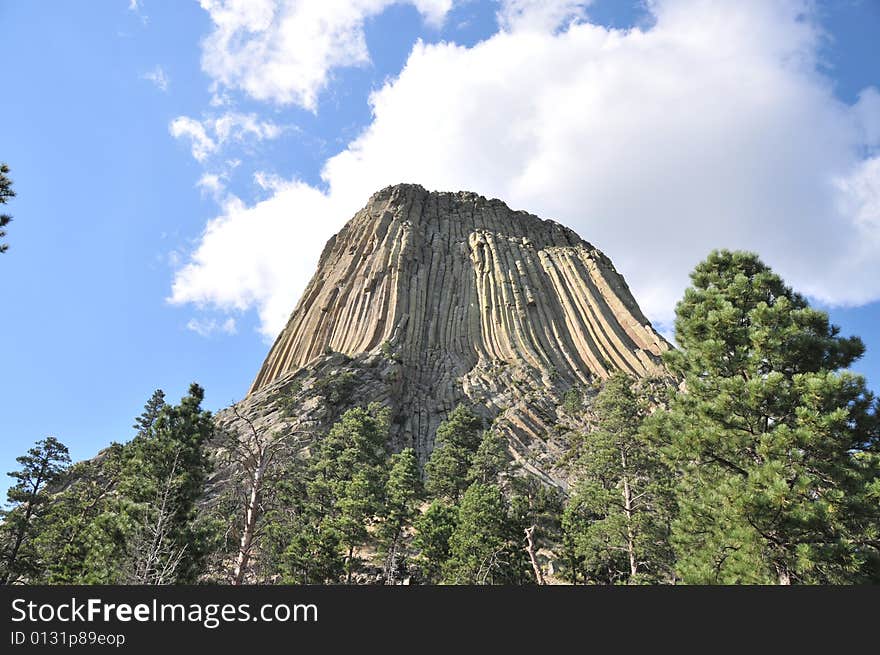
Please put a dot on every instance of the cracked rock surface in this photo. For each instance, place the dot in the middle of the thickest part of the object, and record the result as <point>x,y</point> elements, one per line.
<point>427,299</point>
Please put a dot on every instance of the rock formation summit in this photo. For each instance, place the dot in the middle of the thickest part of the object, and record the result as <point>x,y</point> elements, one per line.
<point>427,299</point>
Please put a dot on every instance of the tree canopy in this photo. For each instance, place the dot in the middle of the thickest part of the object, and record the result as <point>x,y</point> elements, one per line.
<point>777,448</point>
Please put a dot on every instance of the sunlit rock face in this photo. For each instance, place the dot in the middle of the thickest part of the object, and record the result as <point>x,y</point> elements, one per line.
<point>426,299</point>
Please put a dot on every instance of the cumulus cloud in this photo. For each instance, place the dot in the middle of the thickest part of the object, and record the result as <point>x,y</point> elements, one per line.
<point>285,50</point>
<point>211,326</point>
<point>158,77</point>
<point>207,136</point>
<point>711,128</point>
<point>269,249</point>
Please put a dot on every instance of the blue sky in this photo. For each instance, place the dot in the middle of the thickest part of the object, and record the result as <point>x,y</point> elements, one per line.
<point>656,131</point>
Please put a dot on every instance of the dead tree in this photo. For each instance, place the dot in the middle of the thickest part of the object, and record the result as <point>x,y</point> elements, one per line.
<point>157,557</point>
<point>530,549</point>
<point>492,562</point>
<point>255,454</point>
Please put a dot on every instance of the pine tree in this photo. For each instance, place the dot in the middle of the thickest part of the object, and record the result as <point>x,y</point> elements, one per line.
<point>312,554</point>
<point>618,516</point>
<point>305,537</point>
<point>456,441</point>
<point>344,492</point>
<point>778,450</point>
<point>535,514</point>
<point>402,493</point>
<point>152,408</point>
<point>485,524</point>
<point>85,529</point>
<point>359,470</point>
<point>484,547</point>
<point>298,544</point>
<point>41,468</point>
<point>6,193</point>
<point>575,522</point>
<point>491,460</point>
<point>128,515</point>
<point>164,475</point>
<point>433,530</point>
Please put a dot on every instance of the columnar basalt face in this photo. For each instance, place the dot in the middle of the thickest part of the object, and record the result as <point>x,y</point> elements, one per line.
<point>476,303</point>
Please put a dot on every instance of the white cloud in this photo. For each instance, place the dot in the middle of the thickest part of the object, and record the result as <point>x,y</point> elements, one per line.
<point>859,199</point>
<point>709,129</point>
<point>539,15</point>
<point>269,250</point>
<point>211,326</point>
<point>158,77</point>
<point>243,126</point>
<point>135,7</point>
<point>269,181</point>
<point>207,136</point>
<point>212,183</point>
<point>184,127</point>
<point>285,50</point>
<point>868,112</point>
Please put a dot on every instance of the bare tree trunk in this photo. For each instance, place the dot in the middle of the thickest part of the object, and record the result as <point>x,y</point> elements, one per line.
<point>256,456</point>
<point>250,520</point>
<point>391,563</point>
<point>628,511</point>
<point>530,549</point>
<point>160,561</point>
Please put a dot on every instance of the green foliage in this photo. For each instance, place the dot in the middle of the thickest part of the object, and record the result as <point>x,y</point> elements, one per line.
<point>472,532</point>
<point>572,401</point>
<point>312,555</point>
<point>491,459</point>
<point>433,530</point>
<point>296,546</point>
<point>532,502</point>
<point>617,519</point>
<point>42,467</point>
<point>286,397</point>
<point>387,351</point>
<point>163,476</point>
<point>144,422</point>
<point>344,495</point>
<point>128,515</point>
<point>455,443</point>
<point>485,546</point>
<point>402,493</point>
<point>537,507</point>
<point>337,388</point>
<point>87,525</point>
<point>6,193</point>
<point>778,450</point>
